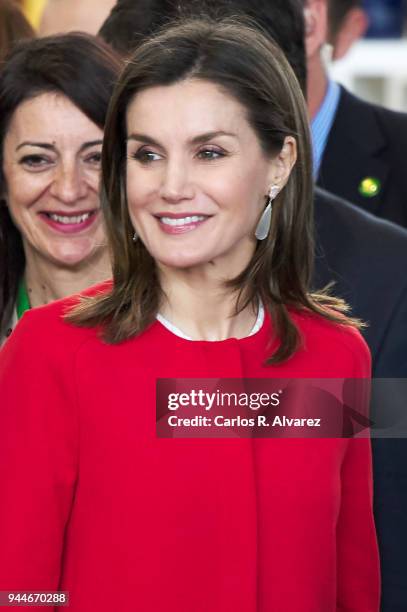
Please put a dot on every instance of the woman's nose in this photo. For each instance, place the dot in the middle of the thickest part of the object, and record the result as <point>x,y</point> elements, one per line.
<point>177,183</point>
<point>69,184</point>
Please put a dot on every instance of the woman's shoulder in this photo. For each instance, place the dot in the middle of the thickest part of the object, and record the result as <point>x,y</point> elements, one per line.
<point>46,328</point>
<point>340,345</point>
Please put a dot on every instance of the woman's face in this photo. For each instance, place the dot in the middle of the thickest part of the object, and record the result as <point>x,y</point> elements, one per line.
<point>51,165</point>
<point>197,178</point>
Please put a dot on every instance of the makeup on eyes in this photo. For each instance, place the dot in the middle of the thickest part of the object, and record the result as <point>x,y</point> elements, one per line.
<point>208,153</point>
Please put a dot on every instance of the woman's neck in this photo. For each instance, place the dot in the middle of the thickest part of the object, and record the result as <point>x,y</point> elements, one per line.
<point>46,282</point>
<point>202,308</point>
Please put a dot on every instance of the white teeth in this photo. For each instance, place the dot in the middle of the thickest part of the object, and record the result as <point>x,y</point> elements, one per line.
<point>69,220</point>
<point>184,221</point>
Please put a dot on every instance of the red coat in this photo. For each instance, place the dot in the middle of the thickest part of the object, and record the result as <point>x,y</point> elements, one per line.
<point>94,504</point>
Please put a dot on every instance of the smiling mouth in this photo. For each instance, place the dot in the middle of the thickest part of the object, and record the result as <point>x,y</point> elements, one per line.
<point>182,221</point>
<point>70,223</point>
<point>177,224</point>
<point>70,219</point>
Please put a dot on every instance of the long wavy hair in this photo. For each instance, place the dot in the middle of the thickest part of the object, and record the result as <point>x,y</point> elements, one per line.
<point>76,65</point>
<point>253,70</point>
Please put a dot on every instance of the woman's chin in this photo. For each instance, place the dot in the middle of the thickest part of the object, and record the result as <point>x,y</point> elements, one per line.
<point>182,261</point>
<point>73,258</point>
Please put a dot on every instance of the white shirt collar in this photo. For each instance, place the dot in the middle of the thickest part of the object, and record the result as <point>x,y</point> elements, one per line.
<point>175,330</point>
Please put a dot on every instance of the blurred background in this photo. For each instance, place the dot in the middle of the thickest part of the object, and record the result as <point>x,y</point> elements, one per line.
<point>375,64</point>
<point>51,16</point>
<point>370,58</point>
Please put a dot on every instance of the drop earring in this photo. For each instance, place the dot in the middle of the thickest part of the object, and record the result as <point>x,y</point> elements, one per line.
<point>135,237</point>
<point>263,226</point>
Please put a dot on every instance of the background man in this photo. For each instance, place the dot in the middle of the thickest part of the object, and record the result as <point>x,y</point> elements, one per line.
<point>360,148</point>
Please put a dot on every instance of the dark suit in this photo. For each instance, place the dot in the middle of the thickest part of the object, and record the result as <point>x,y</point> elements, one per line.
<point>367,141</point>
<point>367,258</point>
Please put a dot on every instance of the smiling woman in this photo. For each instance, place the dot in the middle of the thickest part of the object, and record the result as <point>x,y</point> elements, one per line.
<point>207,194</point>
<point>51,163</point>
<point>54,94</point>
<point>201,178</point>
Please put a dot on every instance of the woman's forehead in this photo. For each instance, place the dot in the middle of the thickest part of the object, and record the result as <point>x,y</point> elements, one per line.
<point>193,105</point>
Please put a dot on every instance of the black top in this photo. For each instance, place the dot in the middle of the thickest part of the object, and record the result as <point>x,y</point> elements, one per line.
<point>367,256</point>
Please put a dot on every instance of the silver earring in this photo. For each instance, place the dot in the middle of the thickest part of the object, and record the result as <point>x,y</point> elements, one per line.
<point>135,237</point>
<point>263,226</point>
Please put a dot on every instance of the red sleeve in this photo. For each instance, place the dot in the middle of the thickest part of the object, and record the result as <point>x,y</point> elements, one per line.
<point>357,553</point>
<point>38,456</point>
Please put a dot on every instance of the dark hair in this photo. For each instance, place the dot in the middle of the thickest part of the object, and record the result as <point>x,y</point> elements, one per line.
<point>80,67</point>
<point>337,11</point>
<point>130,22</point>
<point>14,27</point>
<point>254,71</point>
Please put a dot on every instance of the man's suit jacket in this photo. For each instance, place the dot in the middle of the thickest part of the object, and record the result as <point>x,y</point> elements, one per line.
<point>366,257</point>
<point>367,141</point>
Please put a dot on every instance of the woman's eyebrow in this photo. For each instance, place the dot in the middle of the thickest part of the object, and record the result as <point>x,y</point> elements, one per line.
<point>205,137</point>
<point>209,135</point>
<point>43,145</point>
<point>91,143</point>
<point>51,147</point>
<point>144,138</point>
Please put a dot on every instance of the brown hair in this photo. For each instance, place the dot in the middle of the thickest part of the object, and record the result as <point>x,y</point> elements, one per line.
<point>252,69</point>
<point>13,27</point>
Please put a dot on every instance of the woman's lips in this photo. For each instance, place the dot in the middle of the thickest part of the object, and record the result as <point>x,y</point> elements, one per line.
<point>180,224</point>
<point>71,223</point>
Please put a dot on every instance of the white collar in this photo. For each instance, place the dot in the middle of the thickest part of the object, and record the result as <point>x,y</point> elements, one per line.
<point>175,330</point>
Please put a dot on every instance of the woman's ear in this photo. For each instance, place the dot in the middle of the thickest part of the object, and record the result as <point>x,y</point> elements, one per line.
<point>283,163</point>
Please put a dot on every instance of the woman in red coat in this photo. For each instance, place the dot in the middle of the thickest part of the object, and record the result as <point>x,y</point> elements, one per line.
<point>207,189</point>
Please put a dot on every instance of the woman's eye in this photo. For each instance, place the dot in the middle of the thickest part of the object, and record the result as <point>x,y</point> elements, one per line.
<point>34,161</point>
<point>210,154</point>
<point>145,157</point>
<point>95,158</point>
